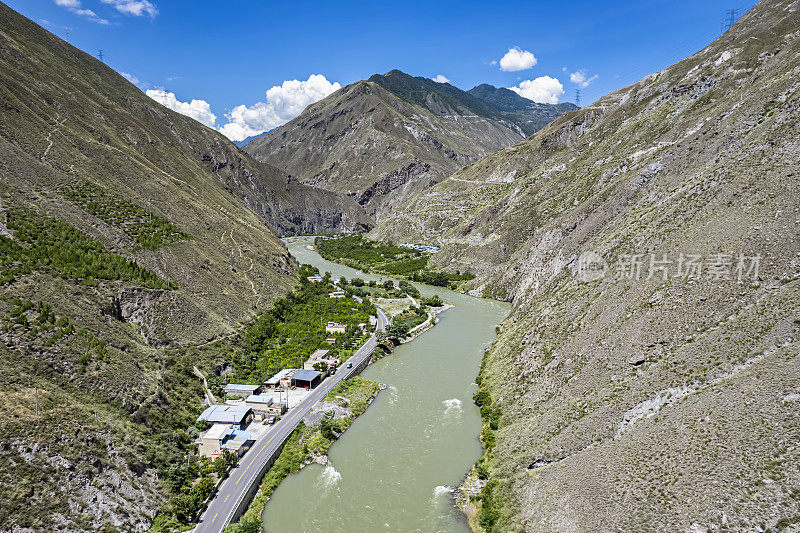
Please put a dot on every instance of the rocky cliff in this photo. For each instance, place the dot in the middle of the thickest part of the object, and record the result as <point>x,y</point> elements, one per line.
<point>648,377</point>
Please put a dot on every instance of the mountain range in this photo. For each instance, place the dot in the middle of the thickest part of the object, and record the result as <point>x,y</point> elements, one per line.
<point>646,379</point>
<point>388,138</point>
<point>636,392</point>
<point>528,115</point>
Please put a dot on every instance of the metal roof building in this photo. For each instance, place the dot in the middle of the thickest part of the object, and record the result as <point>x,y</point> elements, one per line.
<point>274,380</point>
<point>306,378</point>
<point>219,432</point>
<point>259,398</point>
<point>238,441</point>
<point>236,415</point>
<point>238,389</point>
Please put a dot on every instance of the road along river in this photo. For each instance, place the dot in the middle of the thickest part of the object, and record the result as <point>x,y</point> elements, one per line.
<point>393,468</point>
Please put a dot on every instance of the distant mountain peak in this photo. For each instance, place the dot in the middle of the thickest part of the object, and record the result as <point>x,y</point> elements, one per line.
<point>529,115</point>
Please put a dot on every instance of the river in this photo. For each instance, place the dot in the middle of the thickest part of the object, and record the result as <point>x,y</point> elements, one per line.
<point>393,468</point>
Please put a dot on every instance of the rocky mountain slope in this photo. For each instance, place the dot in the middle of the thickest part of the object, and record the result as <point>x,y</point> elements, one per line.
<point>530,116</point>
<point>385,139</point>
<point>125,236</point>
<point>648,377</point>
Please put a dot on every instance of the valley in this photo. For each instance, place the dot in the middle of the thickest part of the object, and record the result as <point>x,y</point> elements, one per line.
<point>419,433</point>
<point>391,303</point>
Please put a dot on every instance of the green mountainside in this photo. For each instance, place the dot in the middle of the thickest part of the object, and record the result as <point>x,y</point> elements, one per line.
<point>386,139</point>
<point>658,390</point>
<point>436,97</point>
<point>528,115</point>
<point>125,240</point>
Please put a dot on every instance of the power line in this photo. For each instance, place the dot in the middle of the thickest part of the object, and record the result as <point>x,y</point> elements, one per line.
<point>676,53</point>
<point>730,17</point>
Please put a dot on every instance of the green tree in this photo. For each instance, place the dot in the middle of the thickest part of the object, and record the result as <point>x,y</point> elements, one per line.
<point>328,426</point>
<point>397,330</point>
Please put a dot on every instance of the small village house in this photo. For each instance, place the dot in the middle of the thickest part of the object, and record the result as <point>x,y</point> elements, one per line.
<point>336,294</point>
<point>286,381</point>
<point>275,380</point>
<point>281,379</point>
<point>265,406</point>
<point>322,356</point>
<point>221,437</point>
<point>276,409</point>
<point>335,327</point>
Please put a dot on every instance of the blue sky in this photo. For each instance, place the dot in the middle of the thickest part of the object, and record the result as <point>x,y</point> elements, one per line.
<point>226,55</point>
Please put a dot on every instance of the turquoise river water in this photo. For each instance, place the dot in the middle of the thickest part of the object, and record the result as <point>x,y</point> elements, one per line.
<point>393,469</point>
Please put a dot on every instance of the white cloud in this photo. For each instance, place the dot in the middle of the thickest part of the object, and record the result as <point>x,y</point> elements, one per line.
<point>284,102</point>
<point>516,59</point>
<point>200,110</point>
<point>440,78</point>
<point>137,8</point>
<point>131,78</point>
<point>543,89</point>
<point>75,7</point>
<point>579,78</point>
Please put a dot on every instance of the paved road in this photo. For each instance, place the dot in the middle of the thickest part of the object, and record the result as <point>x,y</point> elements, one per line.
<point>235,487</point>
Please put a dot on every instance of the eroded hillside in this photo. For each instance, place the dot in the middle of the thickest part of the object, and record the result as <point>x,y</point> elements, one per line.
<point>648,376</point>
<point>386,139</point>
<point>122,243</point>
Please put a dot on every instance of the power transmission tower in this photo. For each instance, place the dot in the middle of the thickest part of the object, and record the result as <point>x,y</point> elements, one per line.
<point>66,34</point>
<point>730,17</point>
<point>100,55</point>
<point>578,96</point>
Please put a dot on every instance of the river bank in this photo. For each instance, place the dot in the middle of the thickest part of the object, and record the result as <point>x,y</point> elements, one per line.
<point>328,419</point>
<point>310,442</point>
<point>398,463</point>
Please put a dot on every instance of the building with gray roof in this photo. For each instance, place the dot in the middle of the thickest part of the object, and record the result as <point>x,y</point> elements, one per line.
<point>238,416</point>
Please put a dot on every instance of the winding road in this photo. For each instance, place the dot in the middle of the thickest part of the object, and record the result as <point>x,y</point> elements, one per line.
<point>247,472</point>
